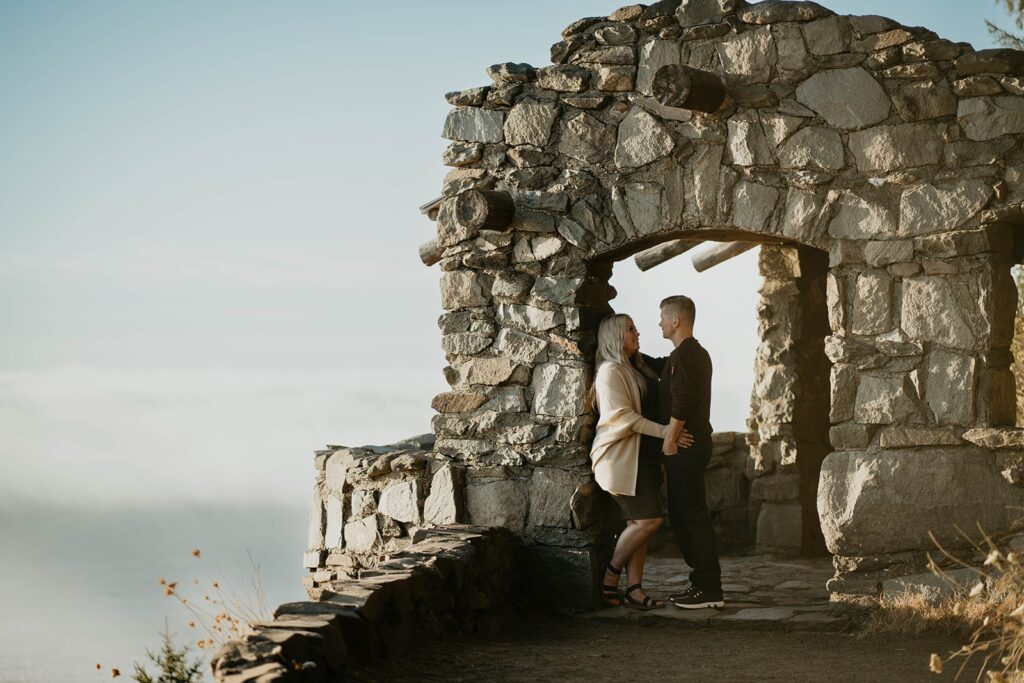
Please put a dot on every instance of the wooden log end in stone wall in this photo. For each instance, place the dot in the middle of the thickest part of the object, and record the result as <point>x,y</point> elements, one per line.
<point>683,87</point>
<point>655,256</point>
<point>719,253</point>
<point>484,210</point>
<point>430,252</point>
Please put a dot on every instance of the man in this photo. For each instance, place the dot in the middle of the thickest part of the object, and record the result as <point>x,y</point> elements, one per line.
<point>686,400</point>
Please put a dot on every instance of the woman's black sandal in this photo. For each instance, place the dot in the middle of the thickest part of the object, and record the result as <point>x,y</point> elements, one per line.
<point>610,594</point>
<point>648,603</point>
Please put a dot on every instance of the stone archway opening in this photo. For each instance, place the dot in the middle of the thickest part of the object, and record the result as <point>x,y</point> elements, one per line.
<point>762,484</point>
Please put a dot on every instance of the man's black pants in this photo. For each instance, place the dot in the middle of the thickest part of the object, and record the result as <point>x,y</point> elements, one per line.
<point>691,521</point>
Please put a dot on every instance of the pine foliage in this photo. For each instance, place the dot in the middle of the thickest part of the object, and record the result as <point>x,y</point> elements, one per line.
<point>172,664</point>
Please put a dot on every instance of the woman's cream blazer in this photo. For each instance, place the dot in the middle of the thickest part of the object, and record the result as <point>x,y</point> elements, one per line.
<point>616,448</point>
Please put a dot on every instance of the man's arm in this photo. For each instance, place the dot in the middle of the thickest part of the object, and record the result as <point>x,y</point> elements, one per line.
<point>683,385</point>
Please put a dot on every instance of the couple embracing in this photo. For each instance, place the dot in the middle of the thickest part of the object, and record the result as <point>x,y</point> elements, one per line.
<point>654,423</point>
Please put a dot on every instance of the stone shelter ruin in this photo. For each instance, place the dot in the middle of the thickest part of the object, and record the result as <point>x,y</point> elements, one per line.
<point>880,169</point>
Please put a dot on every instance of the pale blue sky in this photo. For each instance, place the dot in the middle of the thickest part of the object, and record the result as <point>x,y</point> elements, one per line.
<point>208,233</point>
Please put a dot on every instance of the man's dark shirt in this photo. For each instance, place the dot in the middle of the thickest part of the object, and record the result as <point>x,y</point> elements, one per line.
<point>686,389</point>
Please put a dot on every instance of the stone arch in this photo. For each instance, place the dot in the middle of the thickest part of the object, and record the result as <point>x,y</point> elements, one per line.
<point>896,152</point>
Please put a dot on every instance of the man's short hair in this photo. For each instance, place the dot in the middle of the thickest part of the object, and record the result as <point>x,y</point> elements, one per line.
<point>682,306</point>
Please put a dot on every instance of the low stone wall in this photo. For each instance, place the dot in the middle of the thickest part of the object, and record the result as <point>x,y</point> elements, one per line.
<point>368,503</point>
<point>458,580</point>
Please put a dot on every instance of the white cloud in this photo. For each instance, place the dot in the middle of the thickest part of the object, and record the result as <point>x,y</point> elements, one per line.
<point>81,434</point>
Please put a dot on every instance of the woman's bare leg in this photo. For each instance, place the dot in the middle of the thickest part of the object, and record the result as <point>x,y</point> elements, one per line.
<point>635,563</point>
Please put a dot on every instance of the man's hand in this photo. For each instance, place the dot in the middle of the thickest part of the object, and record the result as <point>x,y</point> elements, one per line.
<point>674,437</point>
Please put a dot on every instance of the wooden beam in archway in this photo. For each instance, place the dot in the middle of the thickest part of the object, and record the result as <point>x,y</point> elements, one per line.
<point>719,253</point>
<point>657,255</point>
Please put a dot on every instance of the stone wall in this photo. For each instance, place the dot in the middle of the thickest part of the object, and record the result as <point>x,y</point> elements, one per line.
<point>370,502</point>
<point>789,421</point>
<point>892,150</point>
<point>450,582</point>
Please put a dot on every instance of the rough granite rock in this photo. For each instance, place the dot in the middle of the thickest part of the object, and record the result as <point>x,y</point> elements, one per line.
<point>813,147</point>
<point>497,503</point>
<point>586,138</point>
<point>894,148</point>
<point>753,204</point>
<point>563,78</point>
<point>747,142</point>
<point>551,491</point>
<point>827,36</point>
<point>921,101</point>
<point>859,218</point>
<point>642,139</point>
<point>529,123</point>
<point>464,289</point>
<point>748,57</point>
<point>925,209</point>
<point>559,390</point>
<point>949,387</point>
<point>444,504</point>
<point>985,118</point>
<point>1008,438</point>
<point>400,501</point>
<point>872,307</point>
<point>699,12</point>
<point>863,101</point>
<point>885,399</point>
<point>774,11</point>
<point>931,312</point>
<point>861,493</point>
<point>474,125</point>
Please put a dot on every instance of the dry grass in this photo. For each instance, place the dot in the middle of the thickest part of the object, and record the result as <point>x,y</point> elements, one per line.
<point>222,613</point>
<point>988,614</point>
<point>911,614</point>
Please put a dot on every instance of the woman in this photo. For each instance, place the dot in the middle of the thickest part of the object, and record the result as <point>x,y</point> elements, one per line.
<point>622,467</point>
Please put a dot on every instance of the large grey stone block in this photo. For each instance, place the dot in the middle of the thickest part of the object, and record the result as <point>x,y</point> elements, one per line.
<point>530,123</point>
<point>925,209</point>
<point>813,147</point>
<point>845,98</point>
<point>444,504</point>
<point>872,503</point>
<point>558,390</point>
<point>642,139</point>
<point>932,311</point>
<point>949,387</point>
<point>859,217</point>
<point>893,148</point>
<point>474,125</point>
<point>497,503</point>
<point>551,491</point>
<point>985,118</point>
<point>401,501</point>
<point>748,57</point>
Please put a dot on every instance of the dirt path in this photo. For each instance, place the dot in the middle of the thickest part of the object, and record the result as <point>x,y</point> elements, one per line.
<point>557,649</point>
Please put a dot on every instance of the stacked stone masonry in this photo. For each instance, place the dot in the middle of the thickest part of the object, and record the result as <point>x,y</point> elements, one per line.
<point>452,582</point>
<point>369,503</point>
<point>894,153</point>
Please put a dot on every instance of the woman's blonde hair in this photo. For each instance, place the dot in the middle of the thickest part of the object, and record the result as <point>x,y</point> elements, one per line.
<point>610,336</point>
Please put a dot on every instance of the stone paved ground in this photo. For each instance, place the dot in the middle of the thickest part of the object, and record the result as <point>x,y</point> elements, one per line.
<point>775,627</point>
<point>760,590</point>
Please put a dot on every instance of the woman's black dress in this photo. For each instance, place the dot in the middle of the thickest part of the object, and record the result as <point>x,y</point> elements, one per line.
<point>647,503</point>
